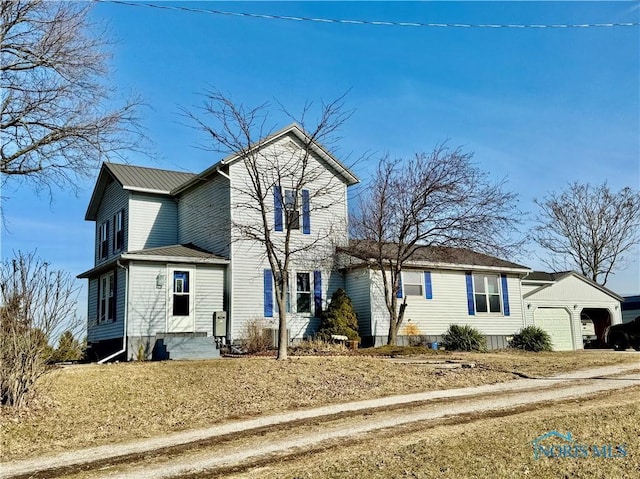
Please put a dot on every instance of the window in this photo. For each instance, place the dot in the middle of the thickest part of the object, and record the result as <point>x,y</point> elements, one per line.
<point>292,215</point>
<point>103,240</point>
<point>288,206</point>
<point>288,295</point>
<point>107,297</point>
<point>118,231</point>
<point>412,281</point>
<point>303,292</point>
<point>181,293</point>
<point>486,293</point>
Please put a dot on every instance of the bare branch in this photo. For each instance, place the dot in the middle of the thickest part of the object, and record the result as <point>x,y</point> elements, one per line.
<point>590,228</point>
<point>282,172</point>
<point>435,199</point>
<point>55,125</point>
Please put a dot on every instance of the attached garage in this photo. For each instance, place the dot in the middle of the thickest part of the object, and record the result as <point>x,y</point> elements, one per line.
<point>556,301</point>
<point>556,322</point>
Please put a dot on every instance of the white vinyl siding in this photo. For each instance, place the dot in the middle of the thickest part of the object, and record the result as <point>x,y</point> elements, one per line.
<point>448,306</point>
<point>328,215</point>
<point>573,294</point>
<point>152,221</point>
<point>358,288</point>
<point>114,200</point>
<point>109,329</point>
<point>204,216</point>
<point>148,304</point>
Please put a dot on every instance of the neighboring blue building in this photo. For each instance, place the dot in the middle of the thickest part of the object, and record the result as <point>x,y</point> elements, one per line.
<point>630,308</point>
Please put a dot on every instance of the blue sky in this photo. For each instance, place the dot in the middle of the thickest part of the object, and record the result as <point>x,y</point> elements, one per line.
<point>541,107</point>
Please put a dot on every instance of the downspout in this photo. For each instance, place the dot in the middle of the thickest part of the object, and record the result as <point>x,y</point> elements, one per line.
<point>229,272</point>
<point>126,315</point>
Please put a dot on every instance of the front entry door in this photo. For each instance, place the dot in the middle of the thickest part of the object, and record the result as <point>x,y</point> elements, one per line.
<point>180,302</point>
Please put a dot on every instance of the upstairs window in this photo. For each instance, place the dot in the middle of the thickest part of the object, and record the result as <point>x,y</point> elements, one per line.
<point>287,208</point>
<point>103,240</point>
<point>118,231</point>
<point>292,215</point>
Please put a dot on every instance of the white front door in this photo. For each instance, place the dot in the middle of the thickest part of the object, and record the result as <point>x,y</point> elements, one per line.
<point>181,290</point>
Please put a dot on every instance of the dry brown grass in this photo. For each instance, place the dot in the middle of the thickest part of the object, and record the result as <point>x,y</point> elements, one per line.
<point>487,448</point>
<point>89,405</point>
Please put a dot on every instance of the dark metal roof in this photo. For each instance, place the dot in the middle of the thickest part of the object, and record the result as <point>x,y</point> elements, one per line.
<point>179,250</point>
<point>147,179</point>
<point>432,254</point>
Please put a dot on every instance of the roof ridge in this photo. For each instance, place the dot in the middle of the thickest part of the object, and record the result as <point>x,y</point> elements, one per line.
<point>109,163</point>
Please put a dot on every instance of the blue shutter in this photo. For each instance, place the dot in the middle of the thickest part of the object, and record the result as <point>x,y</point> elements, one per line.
<point>399,294</point>
<point>306,213</point>
<point>470,303</point>
<point>277,208</point>
<point>428,292</point>
<point>268,294</point>
<point>505,295</point>
<point>317,292</point>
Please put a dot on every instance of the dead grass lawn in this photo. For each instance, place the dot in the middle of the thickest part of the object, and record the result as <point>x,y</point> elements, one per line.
<point>488,448</point>
<point>88,405</point>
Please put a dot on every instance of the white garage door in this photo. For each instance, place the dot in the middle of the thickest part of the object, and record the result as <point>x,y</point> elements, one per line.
<point>556,322</point>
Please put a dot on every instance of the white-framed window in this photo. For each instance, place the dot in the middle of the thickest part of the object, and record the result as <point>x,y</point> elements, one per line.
<point>181,293</point>
<point>287,294</point>
<point>118,231</point>
<point>103,240</point>
<point>413,283</point>
<point>486,293</point>
<point>292,214</point>
<point>303,292</point>
<point>107,297</point>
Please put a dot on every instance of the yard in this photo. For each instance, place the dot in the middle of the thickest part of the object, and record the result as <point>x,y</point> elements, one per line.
<point>87,405</point>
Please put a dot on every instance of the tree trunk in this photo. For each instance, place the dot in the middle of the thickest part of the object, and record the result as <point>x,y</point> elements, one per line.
<point>282,334</point>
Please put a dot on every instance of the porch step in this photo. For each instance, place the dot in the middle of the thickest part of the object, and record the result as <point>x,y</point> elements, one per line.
<point>185,347</point>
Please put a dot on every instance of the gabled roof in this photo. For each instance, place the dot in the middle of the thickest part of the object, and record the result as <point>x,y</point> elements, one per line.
<point>436,256</point>
<point>549,279</point>
<point>292,129</point>
<point>134,178</point>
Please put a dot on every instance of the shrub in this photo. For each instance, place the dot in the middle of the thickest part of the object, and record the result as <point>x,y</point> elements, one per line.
<point>464,338</point>
<point>256,336</point>
<point>339,318</point>
<point>532,338</point>
<point>69,348</point>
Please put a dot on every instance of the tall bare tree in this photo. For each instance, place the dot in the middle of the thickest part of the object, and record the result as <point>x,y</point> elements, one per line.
<point>56,125</point>
<point>590,228</point>
<point>237,130</point>
<point>435,199</point>
<point>36,303</point>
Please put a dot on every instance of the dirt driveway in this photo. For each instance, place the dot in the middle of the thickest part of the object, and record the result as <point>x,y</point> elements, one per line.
<point>247,442</point>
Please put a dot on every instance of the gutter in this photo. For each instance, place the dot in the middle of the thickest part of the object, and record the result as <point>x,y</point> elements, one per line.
<point>126,315</point>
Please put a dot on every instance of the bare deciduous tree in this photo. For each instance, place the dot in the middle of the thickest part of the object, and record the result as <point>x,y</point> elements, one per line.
<point>281,176</point>
<point>435,199</point>
<point>56,125</point>
<point>37,302</point>
<point>589,228</point>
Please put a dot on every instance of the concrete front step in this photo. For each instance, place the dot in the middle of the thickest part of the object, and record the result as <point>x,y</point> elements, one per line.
<point>185,347</point>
